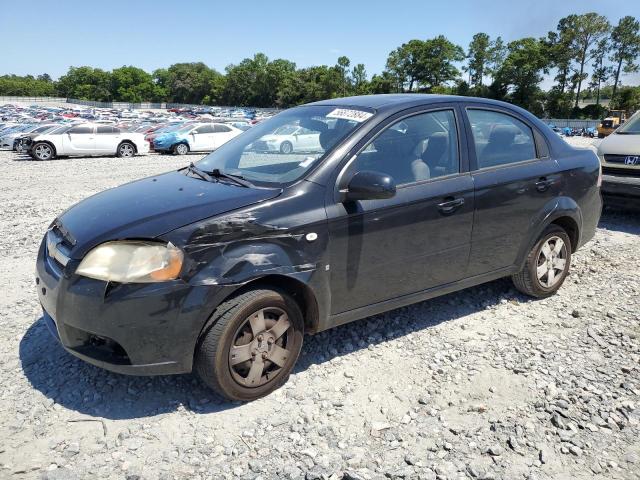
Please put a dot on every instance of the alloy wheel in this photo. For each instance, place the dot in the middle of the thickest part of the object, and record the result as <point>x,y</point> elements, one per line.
<point>43,151</point>
<point>260,347</point>
<point>552,261</point>
<point>126,150</point>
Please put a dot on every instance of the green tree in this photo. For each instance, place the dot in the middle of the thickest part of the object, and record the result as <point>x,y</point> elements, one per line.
<point>497,54</point>
<point>86,83</point>
<point>600,73</point>
<point>586,30</point>
<point>561,53</point>
<point>436,62</point>
<point>522,71</point>
<point>343,67</point>
<point>478,55</point>
<point>132,84</point>
<point>359,78</point>
<point>628,98</point>
<point>404,64</point>
<point>625,47</point>
<point>383,83</point>
<point>26,86</point>
<point>187,82</point>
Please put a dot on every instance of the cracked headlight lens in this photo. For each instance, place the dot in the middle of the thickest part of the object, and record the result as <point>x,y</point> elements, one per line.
<point>132,261</point>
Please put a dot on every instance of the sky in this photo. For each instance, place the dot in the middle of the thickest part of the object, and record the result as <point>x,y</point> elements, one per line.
<point>50,36</point>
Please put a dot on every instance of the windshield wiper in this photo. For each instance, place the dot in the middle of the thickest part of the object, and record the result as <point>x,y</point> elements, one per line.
<point>237,179</point>
<point>200,173</point>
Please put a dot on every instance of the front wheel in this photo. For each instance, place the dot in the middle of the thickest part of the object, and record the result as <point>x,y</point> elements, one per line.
<point>286,147</point>
<point>252,346</point>
<point>42,151</point>
<point>547,264</point>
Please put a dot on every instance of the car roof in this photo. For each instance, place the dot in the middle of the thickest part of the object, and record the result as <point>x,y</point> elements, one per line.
<point>401,101</point>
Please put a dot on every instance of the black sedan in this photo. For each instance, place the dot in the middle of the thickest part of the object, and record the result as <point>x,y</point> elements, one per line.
<point>222,266</point>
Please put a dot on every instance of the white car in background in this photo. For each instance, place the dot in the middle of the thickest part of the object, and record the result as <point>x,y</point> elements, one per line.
<point>195,137</point>
<point>88,139</point>
<point>288,139</point>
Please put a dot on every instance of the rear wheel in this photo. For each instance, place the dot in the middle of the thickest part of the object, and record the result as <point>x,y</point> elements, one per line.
<point>181,149</point>
<point>126,150</point>
<point>252,346</point>
<point>547,264</point>
<point>42,151</point>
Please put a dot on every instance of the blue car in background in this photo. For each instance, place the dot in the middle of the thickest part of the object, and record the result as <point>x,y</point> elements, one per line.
<point>195,137</point>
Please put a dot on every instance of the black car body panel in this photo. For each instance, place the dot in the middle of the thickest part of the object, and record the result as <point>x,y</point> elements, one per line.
<point>341,260</point>
<point>152,206</point>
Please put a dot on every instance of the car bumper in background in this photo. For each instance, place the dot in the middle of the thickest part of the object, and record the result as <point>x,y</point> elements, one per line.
<point>621,190</point>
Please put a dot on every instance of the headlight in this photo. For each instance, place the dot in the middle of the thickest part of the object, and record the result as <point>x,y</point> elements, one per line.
<point>132,262</point>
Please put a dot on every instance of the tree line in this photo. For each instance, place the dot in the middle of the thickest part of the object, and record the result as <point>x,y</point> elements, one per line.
<point>587,55</point>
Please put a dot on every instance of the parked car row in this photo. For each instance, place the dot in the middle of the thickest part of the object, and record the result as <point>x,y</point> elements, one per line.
<point>45,132</point>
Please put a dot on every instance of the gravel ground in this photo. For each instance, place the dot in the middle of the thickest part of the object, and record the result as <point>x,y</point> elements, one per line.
<point>483,383</point>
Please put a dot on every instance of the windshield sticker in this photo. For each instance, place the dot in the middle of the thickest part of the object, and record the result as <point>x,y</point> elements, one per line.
<point>350,114</point>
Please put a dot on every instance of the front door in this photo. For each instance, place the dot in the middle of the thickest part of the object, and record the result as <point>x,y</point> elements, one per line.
<point>79,140</point>
<point>514,179</point>
<point>420,238</point>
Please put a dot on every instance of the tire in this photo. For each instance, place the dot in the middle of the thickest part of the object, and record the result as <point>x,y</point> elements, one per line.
<point>536,279</point>
<point>126,150</point>
<point>286,147</point>
<point>262,325</point>
<point>600,135</point>
<point>43,151</point>
<point>180,149</point>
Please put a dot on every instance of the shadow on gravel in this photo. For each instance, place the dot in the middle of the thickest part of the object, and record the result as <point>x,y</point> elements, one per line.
<point>92,391</point>
<point>627,221</point>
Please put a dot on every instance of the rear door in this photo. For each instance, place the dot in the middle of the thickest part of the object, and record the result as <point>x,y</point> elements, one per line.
<point>79,140</point>
<point>514,178</point>
<point>222,134</point>
<point>107,139</point>
<point>418,239</point>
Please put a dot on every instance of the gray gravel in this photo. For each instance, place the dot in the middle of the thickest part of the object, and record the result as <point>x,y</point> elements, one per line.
<point>482,384</point>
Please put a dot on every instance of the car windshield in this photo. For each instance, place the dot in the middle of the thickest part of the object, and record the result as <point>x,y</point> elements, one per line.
<point>268,153</point>
<point>632,127</point>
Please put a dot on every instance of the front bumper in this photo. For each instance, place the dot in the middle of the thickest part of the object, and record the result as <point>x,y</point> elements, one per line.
<point>621,190</point>
<point>136,329</point>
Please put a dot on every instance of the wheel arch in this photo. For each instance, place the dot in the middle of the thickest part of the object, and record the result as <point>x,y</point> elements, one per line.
<point>131,142</point>
<point>301,293</point>
<point>48,142</point>
<point>562,211</point>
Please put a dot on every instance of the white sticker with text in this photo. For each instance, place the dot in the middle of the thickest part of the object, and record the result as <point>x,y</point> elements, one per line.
<point>350,114</point>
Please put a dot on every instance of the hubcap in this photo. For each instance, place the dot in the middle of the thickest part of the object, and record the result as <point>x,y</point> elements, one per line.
<point>552,261</point>
<point>261,347</point>
<point>182,149</point>
<point>43,152</point>
<point>126,150</point>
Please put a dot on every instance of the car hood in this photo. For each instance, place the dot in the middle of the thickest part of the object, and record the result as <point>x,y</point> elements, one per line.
<point>152,206</point>
<point>620,144</point>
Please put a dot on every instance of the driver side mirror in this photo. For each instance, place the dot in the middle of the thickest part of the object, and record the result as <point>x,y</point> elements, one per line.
<point>369,185</point>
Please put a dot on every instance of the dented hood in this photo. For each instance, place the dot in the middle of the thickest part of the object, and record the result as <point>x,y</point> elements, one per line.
<point>152,206</point>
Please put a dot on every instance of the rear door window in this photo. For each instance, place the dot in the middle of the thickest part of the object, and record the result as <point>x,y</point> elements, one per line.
<point>500,139</point>
<point>80,130</point>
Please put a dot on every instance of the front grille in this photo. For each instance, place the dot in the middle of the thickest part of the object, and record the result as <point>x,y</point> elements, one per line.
<point>59,244</point>
<point>260,145</point>
<point>630,172</point>
<point>620,158</point>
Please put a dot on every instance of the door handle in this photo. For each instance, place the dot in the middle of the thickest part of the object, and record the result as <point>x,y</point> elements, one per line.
<point>450,205</point>
<point>543,184</point>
